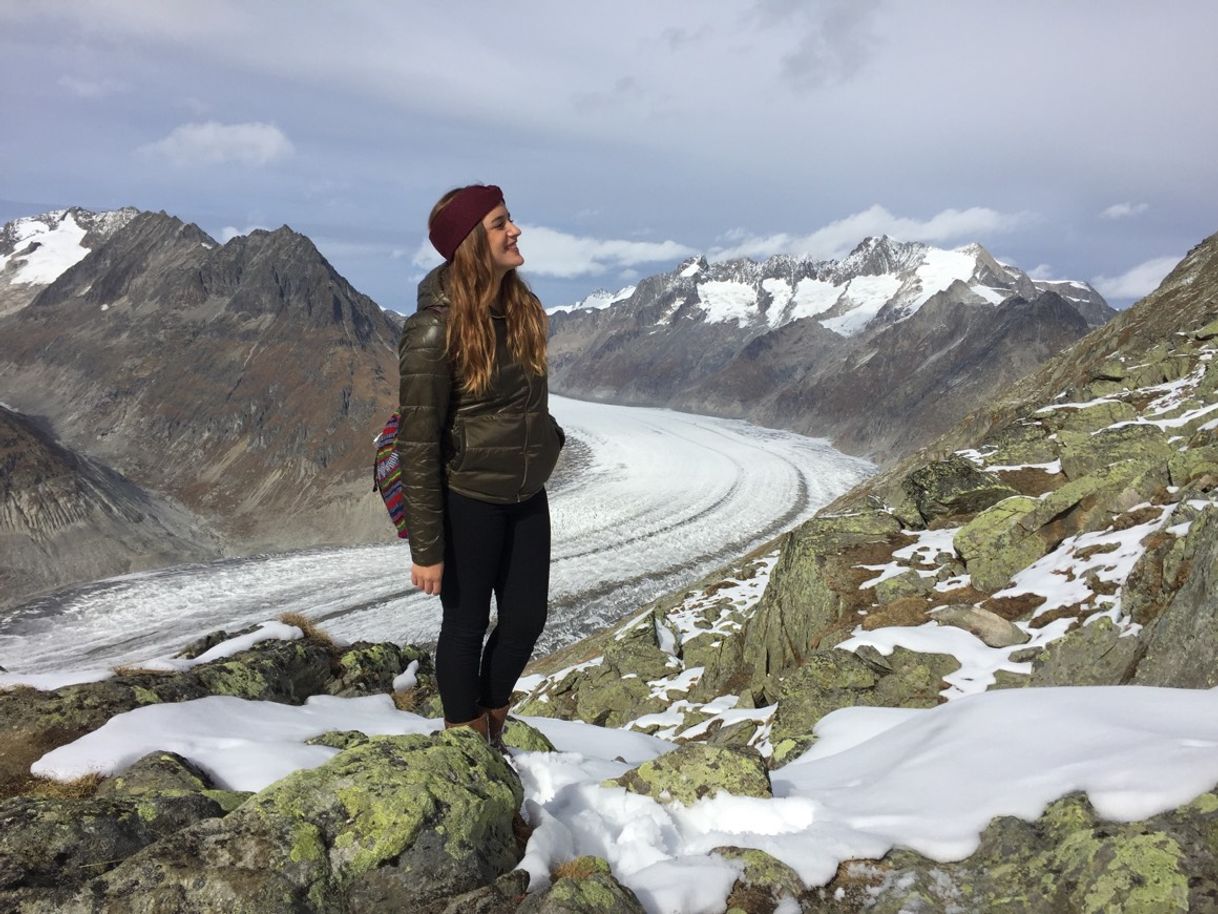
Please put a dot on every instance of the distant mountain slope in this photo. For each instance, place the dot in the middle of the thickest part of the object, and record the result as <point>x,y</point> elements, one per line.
<point>64,518</point>
<point>245,380</point>
<point>881,351</point>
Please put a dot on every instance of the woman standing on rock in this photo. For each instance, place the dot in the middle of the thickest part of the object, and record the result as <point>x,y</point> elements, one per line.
<point>477,444</point>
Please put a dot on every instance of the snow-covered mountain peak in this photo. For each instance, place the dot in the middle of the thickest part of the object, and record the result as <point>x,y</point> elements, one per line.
<point>596,301</point>
<point>692,267</point>
<point>36,250</point>
<point>881,281</point>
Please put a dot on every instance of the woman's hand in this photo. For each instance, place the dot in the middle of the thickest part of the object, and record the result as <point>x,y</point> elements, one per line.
<point>427,577</point>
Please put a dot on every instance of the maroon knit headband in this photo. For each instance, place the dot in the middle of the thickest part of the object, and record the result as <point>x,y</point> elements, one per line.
<point>459,216</point>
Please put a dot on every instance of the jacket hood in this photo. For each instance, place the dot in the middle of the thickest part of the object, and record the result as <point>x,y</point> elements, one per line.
<point>431,289</point>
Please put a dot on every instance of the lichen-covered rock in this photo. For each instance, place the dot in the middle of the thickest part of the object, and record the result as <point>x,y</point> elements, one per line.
<point>991,628</point>
<point>1181,645</point>
<point>696,770</point>
<point>911,679</point>
<point>636,651</point>
<point>1193,464</point>
<point>589,889</point>
<point>763,885</point>
<point>907,584</point>
<point>338,739</point>
<point>828,680</point>
<point>1094,654</point>
<point>1083,453</point>
<point>1090,417</point>
<point>519,735</point>
<point>50,846</point>
<point>1067,861</point>
<point>814,586</point>
<point>952,487</point>
<point>1016,532</point>
<point>367,668</point>
<point>995,544</point>
<point>164,775</point>
<point>396,823</point>
<point>1020,443</point>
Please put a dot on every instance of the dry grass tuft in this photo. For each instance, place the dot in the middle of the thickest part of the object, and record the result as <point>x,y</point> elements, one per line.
<point>80,788</point>
<point>579,868</point>
<point>17,689</point>
<point>310,628</point>
<point>140,671</point>
<point>406,699</point>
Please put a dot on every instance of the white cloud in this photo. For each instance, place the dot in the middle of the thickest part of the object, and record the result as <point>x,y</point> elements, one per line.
<point>91,88</point>
<point>1136,282</point>
<point>1042,271</point>
<point>213,143</point>
<point>549,252</point>
<point>229,232</point>
<point>837,238</point>
<point>1124,210</point>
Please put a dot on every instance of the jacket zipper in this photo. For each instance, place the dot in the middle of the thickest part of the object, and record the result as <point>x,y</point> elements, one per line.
<point>524,476</point>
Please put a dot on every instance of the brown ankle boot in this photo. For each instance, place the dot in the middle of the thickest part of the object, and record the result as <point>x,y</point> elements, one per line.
<point>479,724</point>
<point>496,720</point>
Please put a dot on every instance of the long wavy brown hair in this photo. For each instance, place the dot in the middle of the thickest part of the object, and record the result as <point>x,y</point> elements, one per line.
<point>469,283</point>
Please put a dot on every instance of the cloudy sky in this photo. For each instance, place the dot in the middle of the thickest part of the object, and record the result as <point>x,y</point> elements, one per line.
<point>1074,139</point>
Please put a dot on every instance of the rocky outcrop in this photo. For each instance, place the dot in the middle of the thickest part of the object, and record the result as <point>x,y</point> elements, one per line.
<point>395,823</point>
<point>50,846</point>
<point>1067,860</point>
<point>35,722</point>
<point>816,586</point>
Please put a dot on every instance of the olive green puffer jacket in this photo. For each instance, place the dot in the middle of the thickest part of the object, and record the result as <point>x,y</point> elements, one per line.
<point>499,446</point>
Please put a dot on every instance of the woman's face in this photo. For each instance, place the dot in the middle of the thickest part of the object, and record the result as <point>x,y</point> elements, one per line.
<point>501,235</point>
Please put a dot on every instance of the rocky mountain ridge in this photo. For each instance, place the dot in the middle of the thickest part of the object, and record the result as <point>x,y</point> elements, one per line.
<point>242,381</point>
<point>63,516</point>
<point>779,341</point>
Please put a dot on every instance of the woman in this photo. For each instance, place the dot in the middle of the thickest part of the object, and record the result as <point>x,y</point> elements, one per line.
<point>477,444</point>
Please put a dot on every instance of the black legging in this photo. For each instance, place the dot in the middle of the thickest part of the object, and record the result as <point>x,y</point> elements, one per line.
<point>504,549</point>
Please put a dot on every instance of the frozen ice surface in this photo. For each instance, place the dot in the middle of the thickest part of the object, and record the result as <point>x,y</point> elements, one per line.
<point>662,498</point>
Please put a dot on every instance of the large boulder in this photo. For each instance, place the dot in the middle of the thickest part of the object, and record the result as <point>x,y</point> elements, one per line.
<point>50,846</point>
<point>953,487</point>
<point>1017,531</point>
<point>1095,654</point>
<point>995,544</point>
<point>396,823</point>
<point>815,587</point>
<point>1181,644</point>
<point>990,628</point>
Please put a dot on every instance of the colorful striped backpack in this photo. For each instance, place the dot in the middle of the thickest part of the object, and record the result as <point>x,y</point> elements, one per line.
<point>387,474</point>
